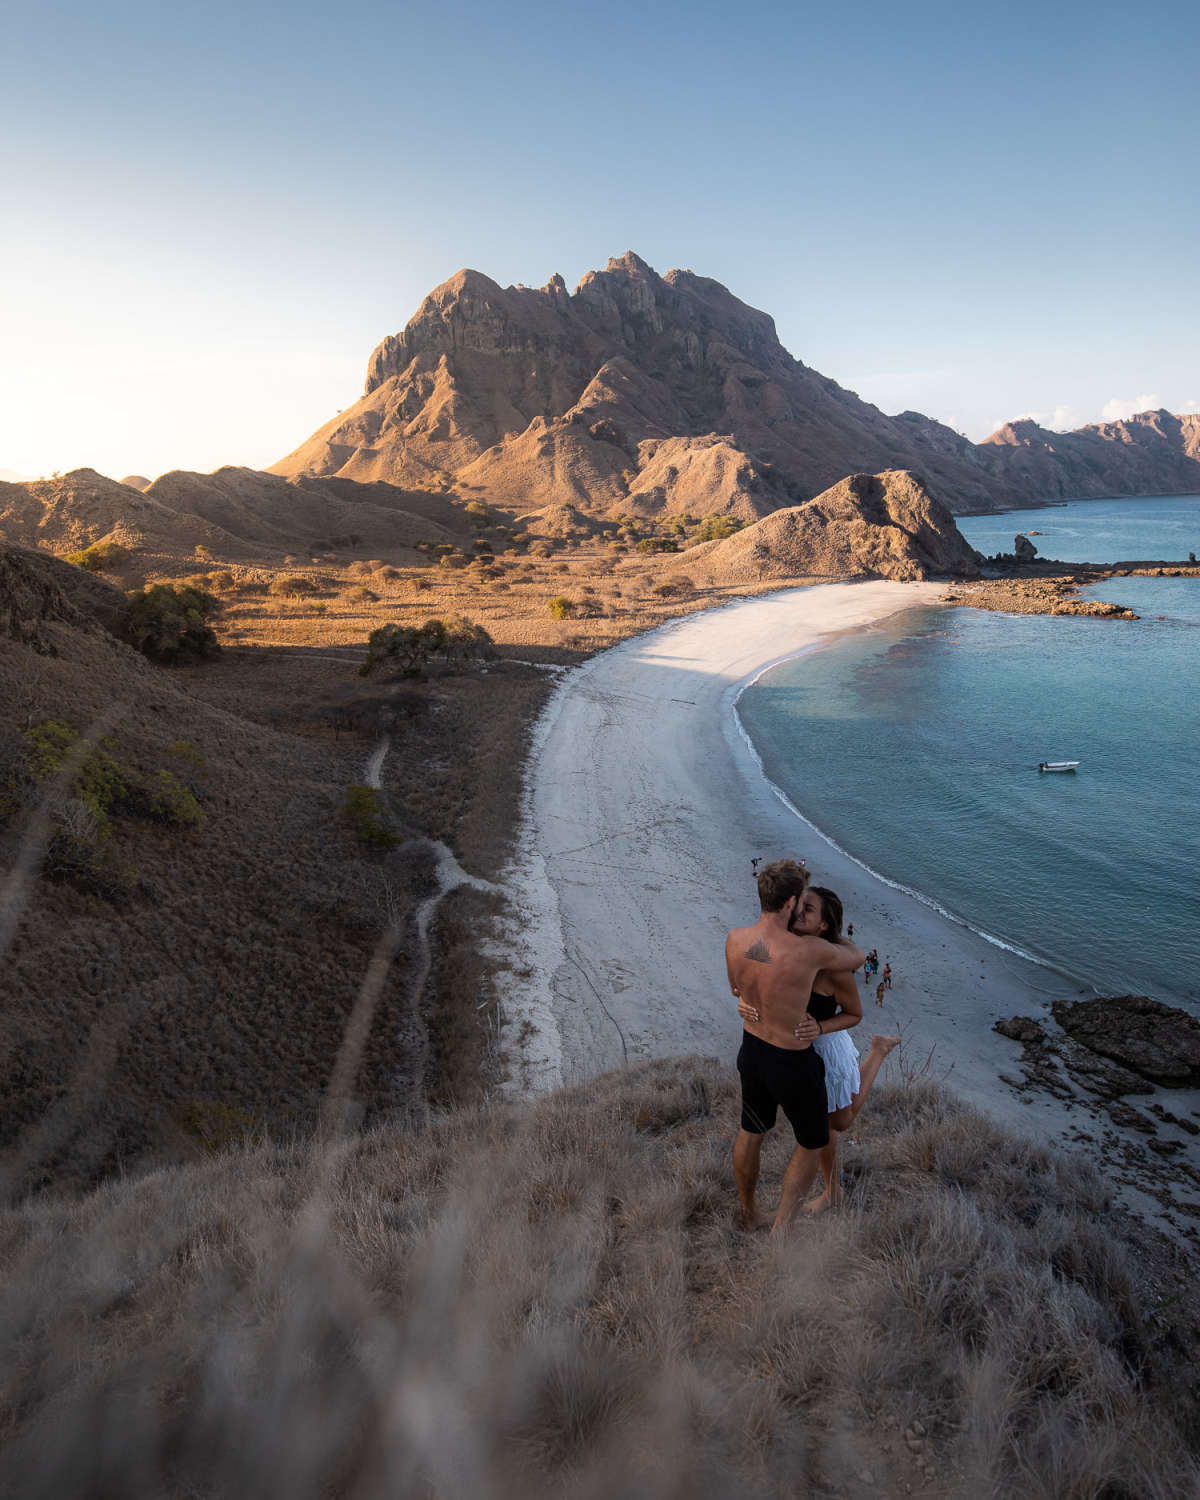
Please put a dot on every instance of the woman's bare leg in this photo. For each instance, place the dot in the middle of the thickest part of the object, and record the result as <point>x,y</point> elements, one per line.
<point>868,1070</point>
<point>829,1170</point>
<point>842,1119</point>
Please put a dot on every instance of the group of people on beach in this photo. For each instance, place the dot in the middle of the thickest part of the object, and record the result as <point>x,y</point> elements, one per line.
<point>792,974</point>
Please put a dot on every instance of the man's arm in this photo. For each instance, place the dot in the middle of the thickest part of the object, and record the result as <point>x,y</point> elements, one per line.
<point>729,964</point>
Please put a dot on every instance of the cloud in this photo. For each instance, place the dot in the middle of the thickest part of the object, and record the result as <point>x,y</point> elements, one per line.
<point>1061,419</point>
<point>1117,410</point>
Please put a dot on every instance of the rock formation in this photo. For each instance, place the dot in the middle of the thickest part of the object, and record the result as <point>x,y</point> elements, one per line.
<point>1153,453</point>
<point>649,394</point>
<point>638,393</point>
<point>1023,549</point>
<point>868,526</point>
<point>39,595</point>
<point>1161,1042</point>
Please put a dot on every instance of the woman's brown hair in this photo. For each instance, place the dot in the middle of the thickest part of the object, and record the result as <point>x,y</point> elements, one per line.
<point>831,912</point>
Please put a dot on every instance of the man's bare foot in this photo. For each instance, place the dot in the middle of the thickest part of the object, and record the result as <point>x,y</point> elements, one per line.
<point>749,1222</point>
<point>884,1044</point>
<point>828,1199</point>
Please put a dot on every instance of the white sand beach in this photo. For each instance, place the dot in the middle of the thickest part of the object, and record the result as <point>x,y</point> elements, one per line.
<point>644,808</point>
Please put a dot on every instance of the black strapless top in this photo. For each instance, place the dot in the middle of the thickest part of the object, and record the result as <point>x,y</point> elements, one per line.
<point>822,1007</point>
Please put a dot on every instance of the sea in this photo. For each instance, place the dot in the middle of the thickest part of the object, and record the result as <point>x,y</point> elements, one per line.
<point>914,746</point>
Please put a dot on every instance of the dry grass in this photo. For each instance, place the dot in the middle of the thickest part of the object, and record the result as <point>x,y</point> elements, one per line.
<point>553,1302</point>
<point>612,599</point>
<point>216,983</point>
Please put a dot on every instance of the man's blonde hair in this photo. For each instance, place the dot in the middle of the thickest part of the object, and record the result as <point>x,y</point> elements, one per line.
<point>779,882</point>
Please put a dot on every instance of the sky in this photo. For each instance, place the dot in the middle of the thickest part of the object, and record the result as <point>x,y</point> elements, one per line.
<point>209,216</point>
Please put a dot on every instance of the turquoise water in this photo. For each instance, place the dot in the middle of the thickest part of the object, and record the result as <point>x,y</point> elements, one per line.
<point>1159,527</point>
<point>914,745</point>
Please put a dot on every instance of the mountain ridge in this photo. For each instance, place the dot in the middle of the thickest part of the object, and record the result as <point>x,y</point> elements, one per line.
<point>529,396</point>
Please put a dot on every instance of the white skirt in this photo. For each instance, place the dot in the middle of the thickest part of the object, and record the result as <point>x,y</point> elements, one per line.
<point>840,1056</point>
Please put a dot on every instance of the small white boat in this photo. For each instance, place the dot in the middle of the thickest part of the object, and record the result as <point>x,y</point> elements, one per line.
<point>1057,765</point>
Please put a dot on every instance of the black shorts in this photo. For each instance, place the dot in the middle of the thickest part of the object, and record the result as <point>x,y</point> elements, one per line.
<point>777,1077</point>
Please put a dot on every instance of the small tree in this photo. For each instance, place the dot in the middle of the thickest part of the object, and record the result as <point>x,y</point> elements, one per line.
<point>170,625</point>
<point>562,608</point>
<point>409,647</point>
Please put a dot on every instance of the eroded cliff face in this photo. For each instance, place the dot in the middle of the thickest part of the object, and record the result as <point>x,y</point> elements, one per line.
<point>637,392</point>
<point>867,526</point>
<point>530,397</point>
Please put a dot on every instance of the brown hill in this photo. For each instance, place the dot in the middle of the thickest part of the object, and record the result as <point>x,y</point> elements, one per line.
<point>637,392</point>
<point>184,968</point>
<point>1153,453</point>
<point>867,526</point>
<point>238,514</point>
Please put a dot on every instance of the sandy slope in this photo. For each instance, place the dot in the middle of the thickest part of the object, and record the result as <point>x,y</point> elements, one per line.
<point>644,809</point>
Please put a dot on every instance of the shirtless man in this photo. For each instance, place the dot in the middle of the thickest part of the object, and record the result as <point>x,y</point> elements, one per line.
<point>773,971</point>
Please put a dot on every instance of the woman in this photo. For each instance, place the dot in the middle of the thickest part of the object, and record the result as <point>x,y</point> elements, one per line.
<point>835,1006</point>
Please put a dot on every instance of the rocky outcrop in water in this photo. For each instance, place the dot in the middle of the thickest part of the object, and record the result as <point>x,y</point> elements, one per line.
<point>1161,1042</point>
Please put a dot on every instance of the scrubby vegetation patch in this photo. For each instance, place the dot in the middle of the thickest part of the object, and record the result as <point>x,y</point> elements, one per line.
<point>170,624</point>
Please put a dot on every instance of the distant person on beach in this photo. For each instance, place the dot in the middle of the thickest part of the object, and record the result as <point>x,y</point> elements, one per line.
<point>887,976</point>
<point>879,993</point>
<point>773,970</point>
<point>835,1007</point>
<point>850,930</point>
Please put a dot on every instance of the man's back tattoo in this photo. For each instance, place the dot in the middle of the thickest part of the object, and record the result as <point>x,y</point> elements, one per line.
<point>760,953</point>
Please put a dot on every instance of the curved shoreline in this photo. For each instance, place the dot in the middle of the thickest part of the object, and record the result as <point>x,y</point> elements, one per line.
<point>895,885</point>
<point>643,806</point>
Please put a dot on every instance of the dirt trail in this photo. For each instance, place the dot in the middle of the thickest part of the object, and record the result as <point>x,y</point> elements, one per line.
<point>450,876</point>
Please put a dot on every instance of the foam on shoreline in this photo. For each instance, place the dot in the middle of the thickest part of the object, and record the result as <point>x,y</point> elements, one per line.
<point>895,885</point>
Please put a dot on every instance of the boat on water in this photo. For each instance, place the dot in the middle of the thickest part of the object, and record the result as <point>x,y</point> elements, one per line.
<point>1057,765</point>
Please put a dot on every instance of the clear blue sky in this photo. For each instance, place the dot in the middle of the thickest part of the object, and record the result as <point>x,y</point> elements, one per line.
<point>212,214</point>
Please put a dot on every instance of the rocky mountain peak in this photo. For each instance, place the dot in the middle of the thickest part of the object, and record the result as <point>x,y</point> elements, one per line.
<point>539,396</point>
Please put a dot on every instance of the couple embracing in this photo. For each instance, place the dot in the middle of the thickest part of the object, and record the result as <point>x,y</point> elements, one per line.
<point>793,976</point>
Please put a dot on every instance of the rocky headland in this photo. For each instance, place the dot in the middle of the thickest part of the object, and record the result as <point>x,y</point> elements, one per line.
<point>1097,1055</point>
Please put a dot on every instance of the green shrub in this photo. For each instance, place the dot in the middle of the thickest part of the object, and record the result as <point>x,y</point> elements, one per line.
<point>170,624</point>
<point>100,557</point>
<point>561,608</point>
<point>202,551</point>
<point>360,596</point>
<point>165,799</point>
<point>100,780</point>
<point>364,809</point>
<point>717,528</point>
